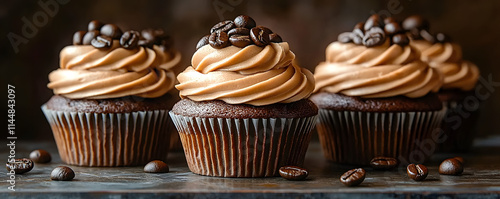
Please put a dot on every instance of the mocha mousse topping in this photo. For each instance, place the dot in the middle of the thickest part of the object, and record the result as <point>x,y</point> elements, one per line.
<point>105,63</point>
<point>258,73</point>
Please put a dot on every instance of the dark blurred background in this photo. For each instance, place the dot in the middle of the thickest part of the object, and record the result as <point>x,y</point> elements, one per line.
<point>309,26</point>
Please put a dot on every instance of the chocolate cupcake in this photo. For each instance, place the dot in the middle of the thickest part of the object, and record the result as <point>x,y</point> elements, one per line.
<point>460,79</point>
<point>111,97</point>
<point>376,98</point>
<point>244,111</point>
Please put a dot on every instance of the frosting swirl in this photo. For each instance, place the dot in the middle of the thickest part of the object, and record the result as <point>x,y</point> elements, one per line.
<point>87,72</point>
<point>251,75</point>
<point>447,58</point>
<point>375,72</point>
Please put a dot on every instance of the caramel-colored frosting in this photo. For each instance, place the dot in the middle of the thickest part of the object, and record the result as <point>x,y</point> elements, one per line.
<point>251,75</point>
<point>90,73</point>
<point>447,58</point>
<point>375,72</point>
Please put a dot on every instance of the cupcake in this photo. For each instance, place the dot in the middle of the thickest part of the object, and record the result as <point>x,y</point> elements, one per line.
<point>111,101</point>
<point>460,79</point>
<point>375,97</point>
<point>244,110</point>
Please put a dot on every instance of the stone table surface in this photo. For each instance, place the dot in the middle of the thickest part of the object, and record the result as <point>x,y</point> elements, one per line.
<point>481,178</point>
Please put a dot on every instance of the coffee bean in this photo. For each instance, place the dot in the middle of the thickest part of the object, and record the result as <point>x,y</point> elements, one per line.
<point>374,37</point>
<point>203,41</point>
<point>244,21</point>
<point>417,172</point>
<point>89,36</point>
<point>451,166</point>
<point>111,30</point>
<point>219,39</point>
<point>358,33</point>
<point>275,38</point>
<point>415,22</point>
<point>389,20</point>
<point>345,37</point>
<point>359,26</point>
<point>130,39</point>
<point>400,39</point>
<point>353,177</point>
<point>442,38</point>
<point>40,156</point>
<point>156,166</point>
<point>240,40</point>
<point>62,173</point>
<point>383,163</point>
<point>293,173</point>
<point>78,37</point>
<point>20,165</point>
<point>373,21</point>
<point>260,35</point>
<point>94,25</point>
<point>393,28</point>
<point>238,31</point>
<point>102,41</point>
<point>223,26</point>
<point>460,159</point>
<point>427,36</point>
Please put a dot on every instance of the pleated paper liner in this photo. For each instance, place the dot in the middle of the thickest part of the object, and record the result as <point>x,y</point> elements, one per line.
<point>110,139</point>
<point>243,147</point>
<point>458,125</point>
<point>351,137</point>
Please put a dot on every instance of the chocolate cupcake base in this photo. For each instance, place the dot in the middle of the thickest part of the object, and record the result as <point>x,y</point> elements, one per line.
<point>233,147</point>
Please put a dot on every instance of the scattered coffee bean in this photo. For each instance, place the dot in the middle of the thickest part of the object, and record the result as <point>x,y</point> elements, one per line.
<point>293,173</point>
<point>203,41</point>
<point>111,30</point>
<point>353,177</point>
<point>78,37</point>
<point>62,173</point>
<point>244,21</point>
<point>223,26</point>
<point>156,166</point>
<point>415,22</point>
<point>400,39</point>
<point>94,25</point>
<point>460,159</point>
<point>20,165</point>
<point>442,38</point>
<point>417,172</point>
<point>345,37</point>
<point>373,21</point>
<point>451,166</point>
<point>102,41</point>
<point>384,163</point>
<point>427,36</point>
<point>89,36</point>
<point>40,156</point>
<point>260,35</point>
<point>130,39</point>
<point>275,38</point>
<point>219,39</point>
<point>374,37</point>
<point>393,28</point>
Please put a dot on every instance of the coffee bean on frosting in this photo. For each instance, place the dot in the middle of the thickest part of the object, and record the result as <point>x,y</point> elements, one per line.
<point>78,37</point>
<point>102,41</point>
<point>240,37</point>
<point>239,31</point>
<point>442,38</point>
<point>392,28</point>
<point>389,20</point>
<point>223,26</point>
<point>345,37</point>
<point>275,38</point>
<point>111,30</point>
<point>219,39</point>
<point>358,33</point>
<point>415,22</point>
<point>400,39</point>
<point>427,36</point>
<point>260,35</point>
<point>244,21</point>
<point>374,37</point>
<point>203,41</point>
<point>94,25</point>
<point>373,21</point>
<point>89,36</point>
<point>130,39</point>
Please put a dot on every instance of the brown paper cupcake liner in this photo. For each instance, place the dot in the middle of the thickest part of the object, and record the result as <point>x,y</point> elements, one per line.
<point>458,128</point>
<point>243,147</point>
<point>110,139</point>
<point>351,137</point>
